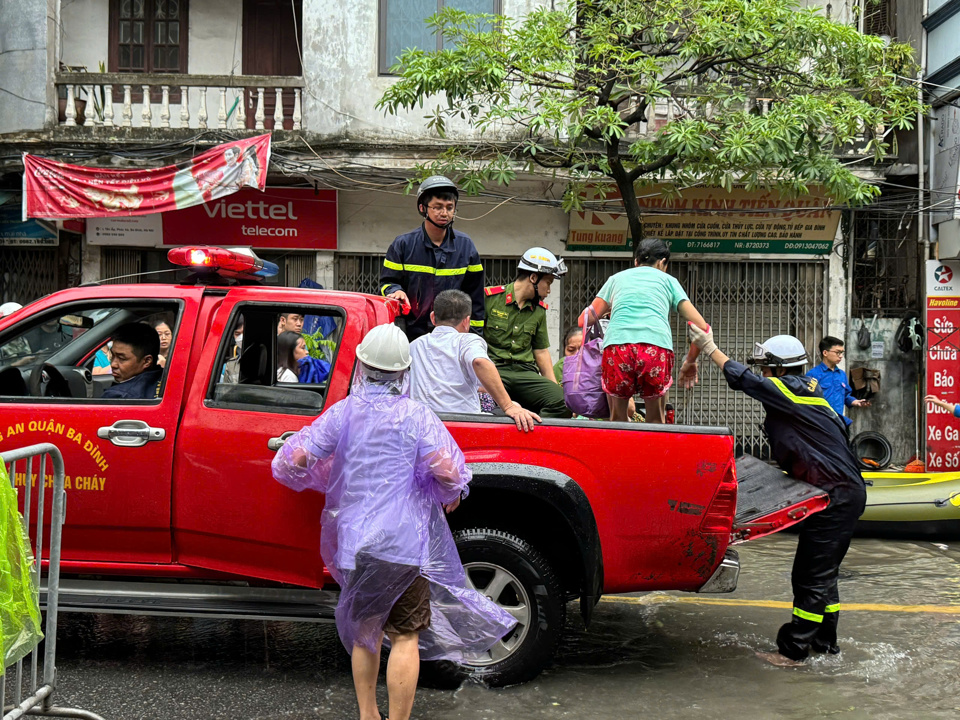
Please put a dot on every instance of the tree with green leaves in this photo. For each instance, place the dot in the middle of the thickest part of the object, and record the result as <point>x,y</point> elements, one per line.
<point>766,95</point>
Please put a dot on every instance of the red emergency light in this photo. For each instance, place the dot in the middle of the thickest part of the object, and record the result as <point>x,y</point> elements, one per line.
<point>229,263</point>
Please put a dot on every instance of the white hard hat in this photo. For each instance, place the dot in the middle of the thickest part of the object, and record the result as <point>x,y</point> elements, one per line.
<point>9,308</point>
<point>779,351</point>
<point>385,348</point>
<point>541,260</point>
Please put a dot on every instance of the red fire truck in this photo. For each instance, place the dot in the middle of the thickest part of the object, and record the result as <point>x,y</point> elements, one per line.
<point>172,509</point>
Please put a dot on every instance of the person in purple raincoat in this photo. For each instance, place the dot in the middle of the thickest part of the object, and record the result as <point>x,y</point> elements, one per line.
<point>389,469</point>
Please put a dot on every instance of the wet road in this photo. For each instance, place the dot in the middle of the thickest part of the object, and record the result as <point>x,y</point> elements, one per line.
<point>659,656</point>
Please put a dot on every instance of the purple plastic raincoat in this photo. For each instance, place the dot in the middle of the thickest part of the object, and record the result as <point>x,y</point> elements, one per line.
<point>387,465</point>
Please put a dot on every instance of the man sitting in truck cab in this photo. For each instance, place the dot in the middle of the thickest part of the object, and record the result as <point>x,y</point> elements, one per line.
<point>136,375</point>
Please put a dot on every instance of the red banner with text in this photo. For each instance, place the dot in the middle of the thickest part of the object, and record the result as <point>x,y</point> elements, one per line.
<point>943,368</point>
<point>56,190</point>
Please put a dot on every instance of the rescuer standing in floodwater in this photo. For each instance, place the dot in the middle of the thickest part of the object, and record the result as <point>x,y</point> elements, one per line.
<point>808,440</point>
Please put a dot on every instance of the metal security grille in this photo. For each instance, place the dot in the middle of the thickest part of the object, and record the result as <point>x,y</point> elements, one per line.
<point>745,302</point>
<point>298,267</point>
<point>27,274</point>
<point>885,257</point>
<point>119,262</point>
<point>359,273</point>
<point>879,17</point>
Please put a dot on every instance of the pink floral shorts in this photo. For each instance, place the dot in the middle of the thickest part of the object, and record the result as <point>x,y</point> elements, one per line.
<point>637,369</point>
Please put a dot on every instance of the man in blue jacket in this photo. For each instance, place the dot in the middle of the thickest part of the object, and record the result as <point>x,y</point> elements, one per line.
<point>833,381</point>
<point>136,375</point>
<point>424,262</point>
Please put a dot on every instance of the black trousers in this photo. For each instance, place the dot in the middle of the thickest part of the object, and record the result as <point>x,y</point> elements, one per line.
<point>824,541</point>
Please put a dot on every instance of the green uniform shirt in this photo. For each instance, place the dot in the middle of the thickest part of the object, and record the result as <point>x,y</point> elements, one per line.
<point>512,333</point>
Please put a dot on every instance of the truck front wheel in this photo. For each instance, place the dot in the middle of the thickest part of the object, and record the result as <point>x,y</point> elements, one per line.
<point>512,573</point>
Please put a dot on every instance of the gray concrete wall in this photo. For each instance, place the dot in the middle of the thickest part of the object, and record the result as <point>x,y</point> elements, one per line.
<point>894,411</point>
<point>27,63</point>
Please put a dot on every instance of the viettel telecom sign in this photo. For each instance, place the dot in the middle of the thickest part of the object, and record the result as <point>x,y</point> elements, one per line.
<point>278,218</point>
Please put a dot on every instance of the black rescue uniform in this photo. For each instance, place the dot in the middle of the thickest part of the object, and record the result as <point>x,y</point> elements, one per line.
<point>422,270</point>
<point>809,440</point>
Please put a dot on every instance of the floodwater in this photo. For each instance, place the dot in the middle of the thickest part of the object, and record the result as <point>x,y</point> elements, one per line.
<point>663,656</point>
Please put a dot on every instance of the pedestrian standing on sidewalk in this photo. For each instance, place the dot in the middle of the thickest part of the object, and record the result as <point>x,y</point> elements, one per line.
<point>424,262</point>
<point>833,381</point>
<point>389,470</point>
<point>809,441</point>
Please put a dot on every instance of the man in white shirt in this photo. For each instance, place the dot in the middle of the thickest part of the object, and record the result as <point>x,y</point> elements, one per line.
<point>451,363</point>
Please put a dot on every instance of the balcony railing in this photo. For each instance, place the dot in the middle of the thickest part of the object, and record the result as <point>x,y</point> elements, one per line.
<point>179,101</point>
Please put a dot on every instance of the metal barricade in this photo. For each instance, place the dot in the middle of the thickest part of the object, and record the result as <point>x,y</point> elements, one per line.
<point>39,695</point>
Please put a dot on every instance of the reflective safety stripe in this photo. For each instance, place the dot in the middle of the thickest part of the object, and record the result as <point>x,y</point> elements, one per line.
<point>420,269</point>
<point>384,288</point>
<point>427,270</point>
<point>476,323</point>
<point>812,617</point>
<point>475,268</point>
<point>832,608</point>
<point>801,400</point>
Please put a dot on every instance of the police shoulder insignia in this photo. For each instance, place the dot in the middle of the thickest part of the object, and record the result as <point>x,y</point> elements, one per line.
<point>496,290</point>
<point>544,305</point>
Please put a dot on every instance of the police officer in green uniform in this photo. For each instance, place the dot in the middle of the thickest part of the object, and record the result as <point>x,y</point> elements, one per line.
<point>516,334</point>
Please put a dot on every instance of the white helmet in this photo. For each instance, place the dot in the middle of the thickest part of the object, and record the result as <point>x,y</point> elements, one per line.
<point>9,308</point>
<point>779,351</point>
<point>385,348</point>
<point>542,261</point>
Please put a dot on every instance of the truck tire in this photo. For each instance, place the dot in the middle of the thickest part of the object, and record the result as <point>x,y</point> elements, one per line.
<point>521,580</point>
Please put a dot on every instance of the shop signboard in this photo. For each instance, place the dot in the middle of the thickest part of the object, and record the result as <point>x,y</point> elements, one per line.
<point>943,364</point>
<point>14,232</point>
<point>278,218</point>
<point>712,220</point>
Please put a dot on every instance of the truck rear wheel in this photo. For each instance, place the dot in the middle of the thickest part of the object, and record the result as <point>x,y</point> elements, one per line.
<point>512,573</point>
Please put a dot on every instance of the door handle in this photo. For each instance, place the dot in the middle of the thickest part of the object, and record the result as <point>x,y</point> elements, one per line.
<point>277,442</point>
<point>131,433</point>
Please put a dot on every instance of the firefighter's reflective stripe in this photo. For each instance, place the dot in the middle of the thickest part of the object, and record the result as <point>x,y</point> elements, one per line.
<point>812,617</point>
<point>475,268</point>
<point>831,609</point>
<point>476,323</point>
<point>799,400</point>
<point>392,265</point>
<point>385,287</point>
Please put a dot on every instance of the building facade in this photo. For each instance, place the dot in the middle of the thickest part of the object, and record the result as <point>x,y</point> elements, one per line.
<point>128,83</point>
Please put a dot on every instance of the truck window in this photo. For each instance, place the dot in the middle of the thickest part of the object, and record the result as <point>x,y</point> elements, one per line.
<point>276,358</point>
<point>66,352</point>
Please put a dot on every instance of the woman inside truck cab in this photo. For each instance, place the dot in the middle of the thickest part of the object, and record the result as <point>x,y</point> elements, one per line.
<point>291,348</point>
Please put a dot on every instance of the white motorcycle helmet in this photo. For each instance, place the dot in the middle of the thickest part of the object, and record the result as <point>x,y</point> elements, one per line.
<point>542,261</point>
<point>779,351</point>
<point>385,350</point>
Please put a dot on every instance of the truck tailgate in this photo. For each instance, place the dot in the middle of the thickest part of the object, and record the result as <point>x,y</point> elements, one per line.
<point>769,500</point>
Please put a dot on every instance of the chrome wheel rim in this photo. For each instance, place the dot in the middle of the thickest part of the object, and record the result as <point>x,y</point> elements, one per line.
<point>503,588</point>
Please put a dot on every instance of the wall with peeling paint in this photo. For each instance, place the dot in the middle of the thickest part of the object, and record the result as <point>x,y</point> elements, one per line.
<point>27,65</point>
<point>894,411</point>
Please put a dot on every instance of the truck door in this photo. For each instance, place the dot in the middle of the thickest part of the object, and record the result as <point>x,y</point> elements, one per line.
<point>229,514</point>
<point>769,500</point>
<point>118,452</point>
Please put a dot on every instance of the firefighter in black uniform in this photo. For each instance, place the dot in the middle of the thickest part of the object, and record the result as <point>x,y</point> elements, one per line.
<point>808,440</point>
<point>423,262</point>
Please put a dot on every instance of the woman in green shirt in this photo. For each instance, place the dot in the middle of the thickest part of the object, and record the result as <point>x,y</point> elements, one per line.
<point>638,354</point>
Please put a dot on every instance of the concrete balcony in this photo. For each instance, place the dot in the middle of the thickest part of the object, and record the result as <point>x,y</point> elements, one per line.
<point>92,102</point>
